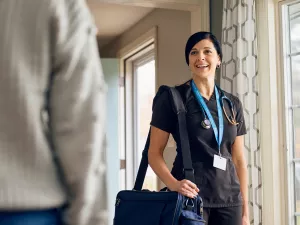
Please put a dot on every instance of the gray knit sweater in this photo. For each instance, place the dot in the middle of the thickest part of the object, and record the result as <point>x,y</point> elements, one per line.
<point>51,82</point>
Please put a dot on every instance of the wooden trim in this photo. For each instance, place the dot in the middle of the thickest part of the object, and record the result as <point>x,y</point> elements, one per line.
<point>186,5</point>
<point>142,41</point>
<point>272,150</point>
<point>139,46</point>
<point>200,18</point>
<point>122,164</point>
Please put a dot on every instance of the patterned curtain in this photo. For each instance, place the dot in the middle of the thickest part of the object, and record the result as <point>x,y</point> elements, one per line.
<point>239,75</point>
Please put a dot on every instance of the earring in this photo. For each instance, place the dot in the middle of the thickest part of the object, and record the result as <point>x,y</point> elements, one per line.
<point>218,66</point>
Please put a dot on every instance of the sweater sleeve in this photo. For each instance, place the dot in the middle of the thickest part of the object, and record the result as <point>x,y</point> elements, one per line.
<point>77,111</point>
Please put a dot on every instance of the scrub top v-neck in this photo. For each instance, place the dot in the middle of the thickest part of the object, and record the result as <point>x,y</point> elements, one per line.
<point>218,188</point>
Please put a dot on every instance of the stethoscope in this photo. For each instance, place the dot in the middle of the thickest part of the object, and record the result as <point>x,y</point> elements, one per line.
<point>206,124</point>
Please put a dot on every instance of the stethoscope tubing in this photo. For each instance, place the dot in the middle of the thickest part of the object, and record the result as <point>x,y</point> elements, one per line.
<point>231,119</point>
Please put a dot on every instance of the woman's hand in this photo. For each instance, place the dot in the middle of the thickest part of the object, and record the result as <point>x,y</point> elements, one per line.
<point>246,220</point>
<point>186,188</point>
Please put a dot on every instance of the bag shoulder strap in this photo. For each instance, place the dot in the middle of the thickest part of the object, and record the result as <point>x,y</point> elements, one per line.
<point>179,109</point>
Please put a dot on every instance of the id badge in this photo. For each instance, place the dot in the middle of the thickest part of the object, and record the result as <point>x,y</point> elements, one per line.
<point>220,162</point>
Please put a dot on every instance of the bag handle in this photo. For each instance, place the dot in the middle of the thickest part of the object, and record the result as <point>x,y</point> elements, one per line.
<point>188,170</point>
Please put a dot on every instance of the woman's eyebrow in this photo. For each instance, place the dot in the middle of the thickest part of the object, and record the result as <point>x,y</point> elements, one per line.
<point>193,49</point>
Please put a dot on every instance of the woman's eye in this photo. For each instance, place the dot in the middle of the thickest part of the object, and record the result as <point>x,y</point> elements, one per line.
<point>208,51</point>
<point>193,52</point>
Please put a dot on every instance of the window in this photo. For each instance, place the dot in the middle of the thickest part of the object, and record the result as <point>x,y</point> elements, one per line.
<point>291,52</point>
<point>139,94</point>
<point>144,92</point>
<point>136,92</point>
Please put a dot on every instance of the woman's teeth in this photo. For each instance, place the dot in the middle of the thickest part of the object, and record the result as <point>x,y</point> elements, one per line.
<point>201,66</point>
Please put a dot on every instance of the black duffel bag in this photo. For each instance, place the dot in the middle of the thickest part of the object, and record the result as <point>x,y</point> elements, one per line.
<point>143,207</point>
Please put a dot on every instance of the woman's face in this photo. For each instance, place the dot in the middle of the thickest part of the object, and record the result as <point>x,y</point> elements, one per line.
<point>204,59</point>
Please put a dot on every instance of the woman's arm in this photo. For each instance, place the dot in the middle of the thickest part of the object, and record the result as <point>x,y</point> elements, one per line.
<point>158,142</point>
<point>240,163</point>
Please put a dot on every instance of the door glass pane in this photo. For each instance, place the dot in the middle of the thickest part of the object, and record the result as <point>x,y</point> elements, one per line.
<point>145,78</point>
<point>293,91</point>
<point>297,220</point>
<point>296,124</point>
<point>296,79</point>
<point>297,186</point>
<point>294,14</point>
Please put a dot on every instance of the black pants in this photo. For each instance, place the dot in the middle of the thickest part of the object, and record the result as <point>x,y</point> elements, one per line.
<point>223,216</point>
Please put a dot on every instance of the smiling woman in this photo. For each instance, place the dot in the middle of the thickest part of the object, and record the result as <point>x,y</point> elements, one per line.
<point>203,58</point>
<point>216,144</point>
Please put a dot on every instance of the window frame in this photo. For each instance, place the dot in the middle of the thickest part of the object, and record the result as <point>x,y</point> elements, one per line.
<point>271,115</point>
<point>285,58</point>
<point>285,92</point>
<point>147,57</point>
<point>133,52</point>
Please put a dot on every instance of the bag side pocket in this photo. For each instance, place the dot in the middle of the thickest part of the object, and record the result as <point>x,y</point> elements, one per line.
<point>190,218</point>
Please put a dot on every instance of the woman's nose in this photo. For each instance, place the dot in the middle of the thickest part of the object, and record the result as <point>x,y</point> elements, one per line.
<point>201,56</point>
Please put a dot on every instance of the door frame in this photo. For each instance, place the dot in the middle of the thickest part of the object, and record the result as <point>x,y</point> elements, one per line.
<point>200,9</point>
<point>200,21</point>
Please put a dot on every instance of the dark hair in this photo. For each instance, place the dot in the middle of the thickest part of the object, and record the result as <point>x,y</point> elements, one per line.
<point>199,36</point>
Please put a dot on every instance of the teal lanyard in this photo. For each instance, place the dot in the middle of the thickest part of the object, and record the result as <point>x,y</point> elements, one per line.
<point>218,134</point>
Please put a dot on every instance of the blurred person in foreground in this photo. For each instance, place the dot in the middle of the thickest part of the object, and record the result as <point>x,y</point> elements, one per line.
<point>52,114</point>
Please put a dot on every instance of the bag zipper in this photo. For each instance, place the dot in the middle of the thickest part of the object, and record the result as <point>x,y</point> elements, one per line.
<point>118,201</point>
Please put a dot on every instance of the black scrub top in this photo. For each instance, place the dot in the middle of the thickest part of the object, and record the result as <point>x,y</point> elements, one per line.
<point>218,188</point>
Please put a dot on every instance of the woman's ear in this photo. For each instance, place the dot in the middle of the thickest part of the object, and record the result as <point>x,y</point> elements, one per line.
<point>219,63</point>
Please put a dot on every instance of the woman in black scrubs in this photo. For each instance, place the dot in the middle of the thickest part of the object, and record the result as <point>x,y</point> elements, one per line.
<point>216,126</point>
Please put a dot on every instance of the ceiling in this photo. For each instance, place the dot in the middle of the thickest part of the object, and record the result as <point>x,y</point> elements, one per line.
<point>110,18</point>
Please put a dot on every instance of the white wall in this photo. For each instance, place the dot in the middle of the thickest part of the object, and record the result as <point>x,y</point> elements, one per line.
<point>174,28</point>
<point>111,74</point>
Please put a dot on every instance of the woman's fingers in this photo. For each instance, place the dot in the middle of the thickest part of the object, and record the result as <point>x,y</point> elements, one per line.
<point>186,188</point>
<point>189,189</point>
<point>192,185</point>
<point>187,193</point>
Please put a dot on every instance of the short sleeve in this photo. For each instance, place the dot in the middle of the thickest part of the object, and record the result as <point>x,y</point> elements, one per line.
<point>163,116</point>
<point>241,127</point>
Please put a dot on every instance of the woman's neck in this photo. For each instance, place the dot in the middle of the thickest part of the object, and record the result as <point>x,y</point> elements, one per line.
<point>205,86</point>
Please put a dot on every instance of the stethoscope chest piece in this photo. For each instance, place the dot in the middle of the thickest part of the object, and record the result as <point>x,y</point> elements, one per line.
<point>206,124</point>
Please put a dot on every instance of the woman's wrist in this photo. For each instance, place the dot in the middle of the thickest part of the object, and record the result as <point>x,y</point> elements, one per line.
<point>245,208</point>
<point>172,184</point>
